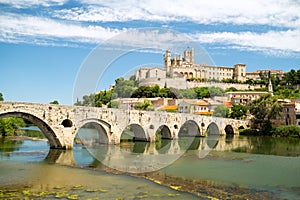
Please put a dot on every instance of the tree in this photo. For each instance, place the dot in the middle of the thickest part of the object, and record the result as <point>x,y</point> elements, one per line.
<point>147,105</point>
<point>9,126</point>
<point>298,76</point>
<point>202,92</point>
<point>291,78</point>
<point>114,104</point>
<point>215,91</point>
<point>1,97</point>
<point>54,102</point>
<point>221,111</point>
<point>124,88</point>
<point>231,89</point>
<point>265,109</point>
<point>238,111</point>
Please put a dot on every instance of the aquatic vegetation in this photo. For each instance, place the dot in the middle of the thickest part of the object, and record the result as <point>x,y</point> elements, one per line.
<point>73,196</point>
<point>91,190</point>
<point>212,198</point>
<point>61,194</point>
<point>77,187</point>
<point>173,195</point>
<point>175,187</point>
<point>26,192</point>
<point>59,187</point>
<point>141,196</point>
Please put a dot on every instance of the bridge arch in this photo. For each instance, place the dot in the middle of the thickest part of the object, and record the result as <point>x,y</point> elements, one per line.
<point>54,142</point>
<point>102,128</point>
<point>189,129</point>
<point>163,138</point>
<point>213,129</point>
<point>229,130</point>
<point>164,131</point>
<point>139,134</point>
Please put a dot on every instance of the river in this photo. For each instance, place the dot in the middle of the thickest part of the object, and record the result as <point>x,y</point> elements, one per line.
<point>235,168</point>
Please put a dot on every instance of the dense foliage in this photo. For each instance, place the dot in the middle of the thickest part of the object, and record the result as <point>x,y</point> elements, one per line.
<point>9,126</point>
<point>54,102</point>
<point>128,89</point>
<point>238,111</point>
<point>147,105</point>
<point>265,109</point>
<point>1,97</point>
<point>285,131</point>
<point>221,111</point>
<point>288,93</point>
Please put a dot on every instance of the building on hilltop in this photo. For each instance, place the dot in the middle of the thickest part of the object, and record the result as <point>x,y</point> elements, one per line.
<point>257,75</point>
<point>179,68</point>
<point>187,68</point>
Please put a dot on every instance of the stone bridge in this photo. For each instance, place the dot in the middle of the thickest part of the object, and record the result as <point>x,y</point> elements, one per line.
<point>60,123</point>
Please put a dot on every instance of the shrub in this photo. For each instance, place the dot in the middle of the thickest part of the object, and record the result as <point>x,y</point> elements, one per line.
<point>249,132</point>
<point>285,131</point>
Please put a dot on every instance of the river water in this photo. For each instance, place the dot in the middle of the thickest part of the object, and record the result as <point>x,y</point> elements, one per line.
<point>243,167</point>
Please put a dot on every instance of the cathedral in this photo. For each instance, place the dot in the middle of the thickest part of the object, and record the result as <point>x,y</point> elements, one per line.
<point>184,67</point>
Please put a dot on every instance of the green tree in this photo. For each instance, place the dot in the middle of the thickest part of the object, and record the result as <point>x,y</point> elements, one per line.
<point>221,111</point>
<point>265,109</point>
<point>114,104</point>
<point>231,89</point>
<point>291,78</point>
<point>298,76</point>
<point>1,97</point>
<point>124,88</point>
<point>288,93</point>
<point>9,126</point>
<point>147,105</point>
<point>54,102</point>
<point>215,91</point>
<point>202,92</point>
<point>238,111</point>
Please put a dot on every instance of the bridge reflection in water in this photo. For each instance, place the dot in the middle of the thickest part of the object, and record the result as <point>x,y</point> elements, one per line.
<point>136,156</point>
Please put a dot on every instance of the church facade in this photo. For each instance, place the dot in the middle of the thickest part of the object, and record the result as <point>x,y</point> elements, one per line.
<point>185,67</point>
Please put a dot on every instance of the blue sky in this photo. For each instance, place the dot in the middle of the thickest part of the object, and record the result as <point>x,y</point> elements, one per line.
<point>45,45</point>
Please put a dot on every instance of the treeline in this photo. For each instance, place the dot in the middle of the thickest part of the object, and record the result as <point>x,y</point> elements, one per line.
<point>129,89</point>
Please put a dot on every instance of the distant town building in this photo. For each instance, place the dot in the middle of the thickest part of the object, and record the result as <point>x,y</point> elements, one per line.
<point>288,116</point>
<point>193,106</point>
<point>157,102</point>
<point>243,97</point>
<point>297,112</point>
<point>258,73</point>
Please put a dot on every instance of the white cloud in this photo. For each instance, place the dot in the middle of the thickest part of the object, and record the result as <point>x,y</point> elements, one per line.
<point>24,28</point>
<point>282,42</point>
<point>29,3</point>
<point>282,13</point>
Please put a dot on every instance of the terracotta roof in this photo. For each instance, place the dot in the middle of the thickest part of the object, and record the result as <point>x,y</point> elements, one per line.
<point>228,104</point>
<point>198,103</point>
<point>203,113</point>
<point>169,108</point>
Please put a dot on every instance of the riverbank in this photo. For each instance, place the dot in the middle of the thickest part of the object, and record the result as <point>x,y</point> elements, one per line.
<point>22,138</point>
<point>202,188</point>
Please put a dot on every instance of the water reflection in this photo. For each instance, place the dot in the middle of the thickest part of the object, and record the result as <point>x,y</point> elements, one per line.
<point>7,145</point>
